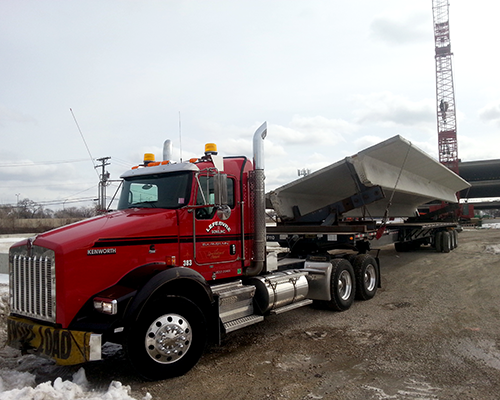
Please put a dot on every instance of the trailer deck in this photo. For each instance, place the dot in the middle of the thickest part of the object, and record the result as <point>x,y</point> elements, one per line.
<point>350,236</point>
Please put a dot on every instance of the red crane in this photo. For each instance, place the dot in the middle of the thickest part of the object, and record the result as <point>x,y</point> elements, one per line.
<point>445,94</point>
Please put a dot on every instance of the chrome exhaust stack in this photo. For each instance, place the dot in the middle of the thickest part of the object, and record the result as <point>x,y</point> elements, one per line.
<point>258,202</point>
<point>167,150</point>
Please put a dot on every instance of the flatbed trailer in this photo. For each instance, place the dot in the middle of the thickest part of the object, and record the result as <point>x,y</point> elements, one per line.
<point>349,204</point>
<point>363,237</point>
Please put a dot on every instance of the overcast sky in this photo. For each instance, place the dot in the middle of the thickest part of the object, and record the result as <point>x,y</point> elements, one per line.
<point>330,77</point>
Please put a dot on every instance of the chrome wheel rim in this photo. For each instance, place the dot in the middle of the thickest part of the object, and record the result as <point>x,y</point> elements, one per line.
<point>168,338</point>
<point>345,285</point>
<point>370,278</point>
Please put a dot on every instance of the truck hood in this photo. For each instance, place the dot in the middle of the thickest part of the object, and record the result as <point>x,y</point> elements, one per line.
<point>123,224</point>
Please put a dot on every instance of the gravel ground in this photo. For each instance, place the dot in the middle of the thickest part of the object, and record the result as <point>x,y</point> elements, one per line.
<point>431,332</point>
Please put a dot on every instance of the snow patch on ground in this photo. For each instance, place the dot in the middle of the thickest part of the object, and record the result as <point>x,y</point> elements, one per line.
<point>62,390</point>
<point>491,226</point>
<point>492,248</point>
<point>17,383</point>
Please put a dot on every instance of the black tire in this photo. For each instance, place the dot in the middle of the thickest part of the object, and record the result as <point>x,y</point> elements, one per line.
<point>342,285</point>
<point>366,272</point>
<point>168,338</point>
<point>350,258</point>
<point>401,247</point>
<point>455,234</point>
<point>438,241</point>
<point>454,239</point>
<point>446,242</point>
<point>415,245</point>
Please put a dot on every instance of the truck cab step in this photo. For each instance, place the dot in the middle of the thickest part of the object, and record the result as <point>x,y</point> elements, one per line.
<point>242,322</point>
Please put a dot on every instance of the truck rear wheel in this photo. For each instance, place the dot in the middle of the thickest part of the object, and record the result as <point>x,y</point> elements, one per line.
<point>367,276</point>
<point>342,285</point>
<point>168,339</point>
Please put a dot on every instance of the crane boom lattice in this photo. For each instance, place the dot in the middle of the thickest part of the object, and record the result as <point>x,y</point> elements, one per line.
<point>445,94</point>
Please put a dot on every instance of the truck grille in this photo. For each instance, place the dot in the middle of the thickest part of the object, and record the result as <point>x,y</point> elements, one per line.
<point>32,283</point>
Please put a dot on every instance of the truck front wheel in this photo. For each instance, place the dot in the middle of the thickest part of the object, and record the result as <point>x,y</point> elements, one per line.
<point>168,339</point>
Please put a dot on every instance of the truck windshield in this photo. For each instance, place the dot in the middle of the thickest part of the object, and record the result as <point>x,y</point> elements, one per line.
<point>156,191</point>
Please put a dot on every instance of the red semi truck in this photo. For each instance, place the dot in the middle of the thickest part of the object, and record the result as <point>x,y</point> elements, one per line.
<point>179,264</point>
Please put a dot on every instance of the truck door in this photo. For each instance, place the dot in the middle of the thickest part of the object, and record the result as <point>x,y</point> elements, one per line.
<point>217,237</point>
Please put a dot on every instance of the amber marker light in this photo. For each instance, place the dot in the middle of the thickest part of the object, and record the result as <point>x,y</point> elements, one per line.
<point>148,158</point>
<point>170,260</point>
<point>210,148</point>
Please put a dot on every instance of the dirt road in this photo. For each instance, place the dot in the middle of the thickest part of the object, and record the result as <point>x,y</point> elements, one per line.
<point>431,332</point>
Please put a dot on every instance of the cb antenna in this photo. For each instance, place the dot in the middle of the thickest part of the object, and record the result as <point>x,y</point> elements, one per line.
<point>83,138</point>
<point>180,136</point>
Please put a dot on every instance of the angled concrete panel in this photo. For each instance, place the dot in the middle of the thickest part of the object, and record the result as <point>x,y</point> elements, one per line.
<point>408,176</point>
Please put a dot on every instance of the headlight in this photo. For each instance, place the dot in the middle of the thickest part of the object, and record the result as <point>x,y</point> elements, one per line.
<point>106,306</point>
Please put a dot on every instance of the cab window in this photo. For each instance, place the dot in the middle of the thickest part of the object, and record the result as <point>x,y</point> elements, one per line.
<point>206,196</point>
<point>155,191</point>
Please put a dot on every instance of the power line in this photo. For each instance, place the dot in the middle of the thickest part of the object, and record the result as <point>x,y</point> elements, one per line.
<point>125,163</point>
<point>36,163</point>
<point>16,185</point>
<point>58,202</point>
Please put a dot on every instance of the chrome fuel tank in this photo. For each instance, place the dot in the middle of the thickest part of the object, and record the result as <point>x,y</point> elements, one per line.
<point>279,289</point>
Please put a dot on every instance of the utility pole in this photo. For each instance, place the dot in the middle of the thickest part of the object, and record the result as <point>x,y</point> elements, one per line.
<point>103,182</point>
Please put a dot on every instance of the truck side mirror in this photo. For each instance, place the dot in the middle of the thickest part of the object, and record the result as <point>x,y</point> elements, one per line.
<point>223,212</point>
<point>220,189</point>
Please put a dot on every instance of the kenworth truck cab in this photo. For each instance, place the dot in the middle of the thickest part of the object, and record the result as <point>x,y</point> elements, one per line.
<point>179,264</point>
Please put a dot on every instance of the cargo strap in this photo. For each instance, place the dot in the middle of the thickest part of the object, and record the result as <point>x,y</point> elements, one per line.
<point>381,230</point>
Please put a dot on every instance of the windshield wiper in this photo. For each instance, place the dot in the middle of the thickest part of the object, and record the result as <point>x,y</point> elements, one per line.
<point>151,204</point>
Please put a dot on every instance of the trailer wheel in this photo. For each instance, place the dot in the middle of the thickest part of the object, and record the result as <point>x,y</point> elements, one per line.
<point>454,239</point>
<point>342,285</point>
<point>402,247</point>
<point>168,338</point>
<point>446,242</point>
<point>438,241</point>
<point>367,276</point>
<point>455,235</point>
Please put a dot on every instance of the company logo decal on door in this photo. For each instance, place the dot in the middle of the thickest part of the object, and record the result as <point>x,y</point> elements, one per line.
<point>218,227</point>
